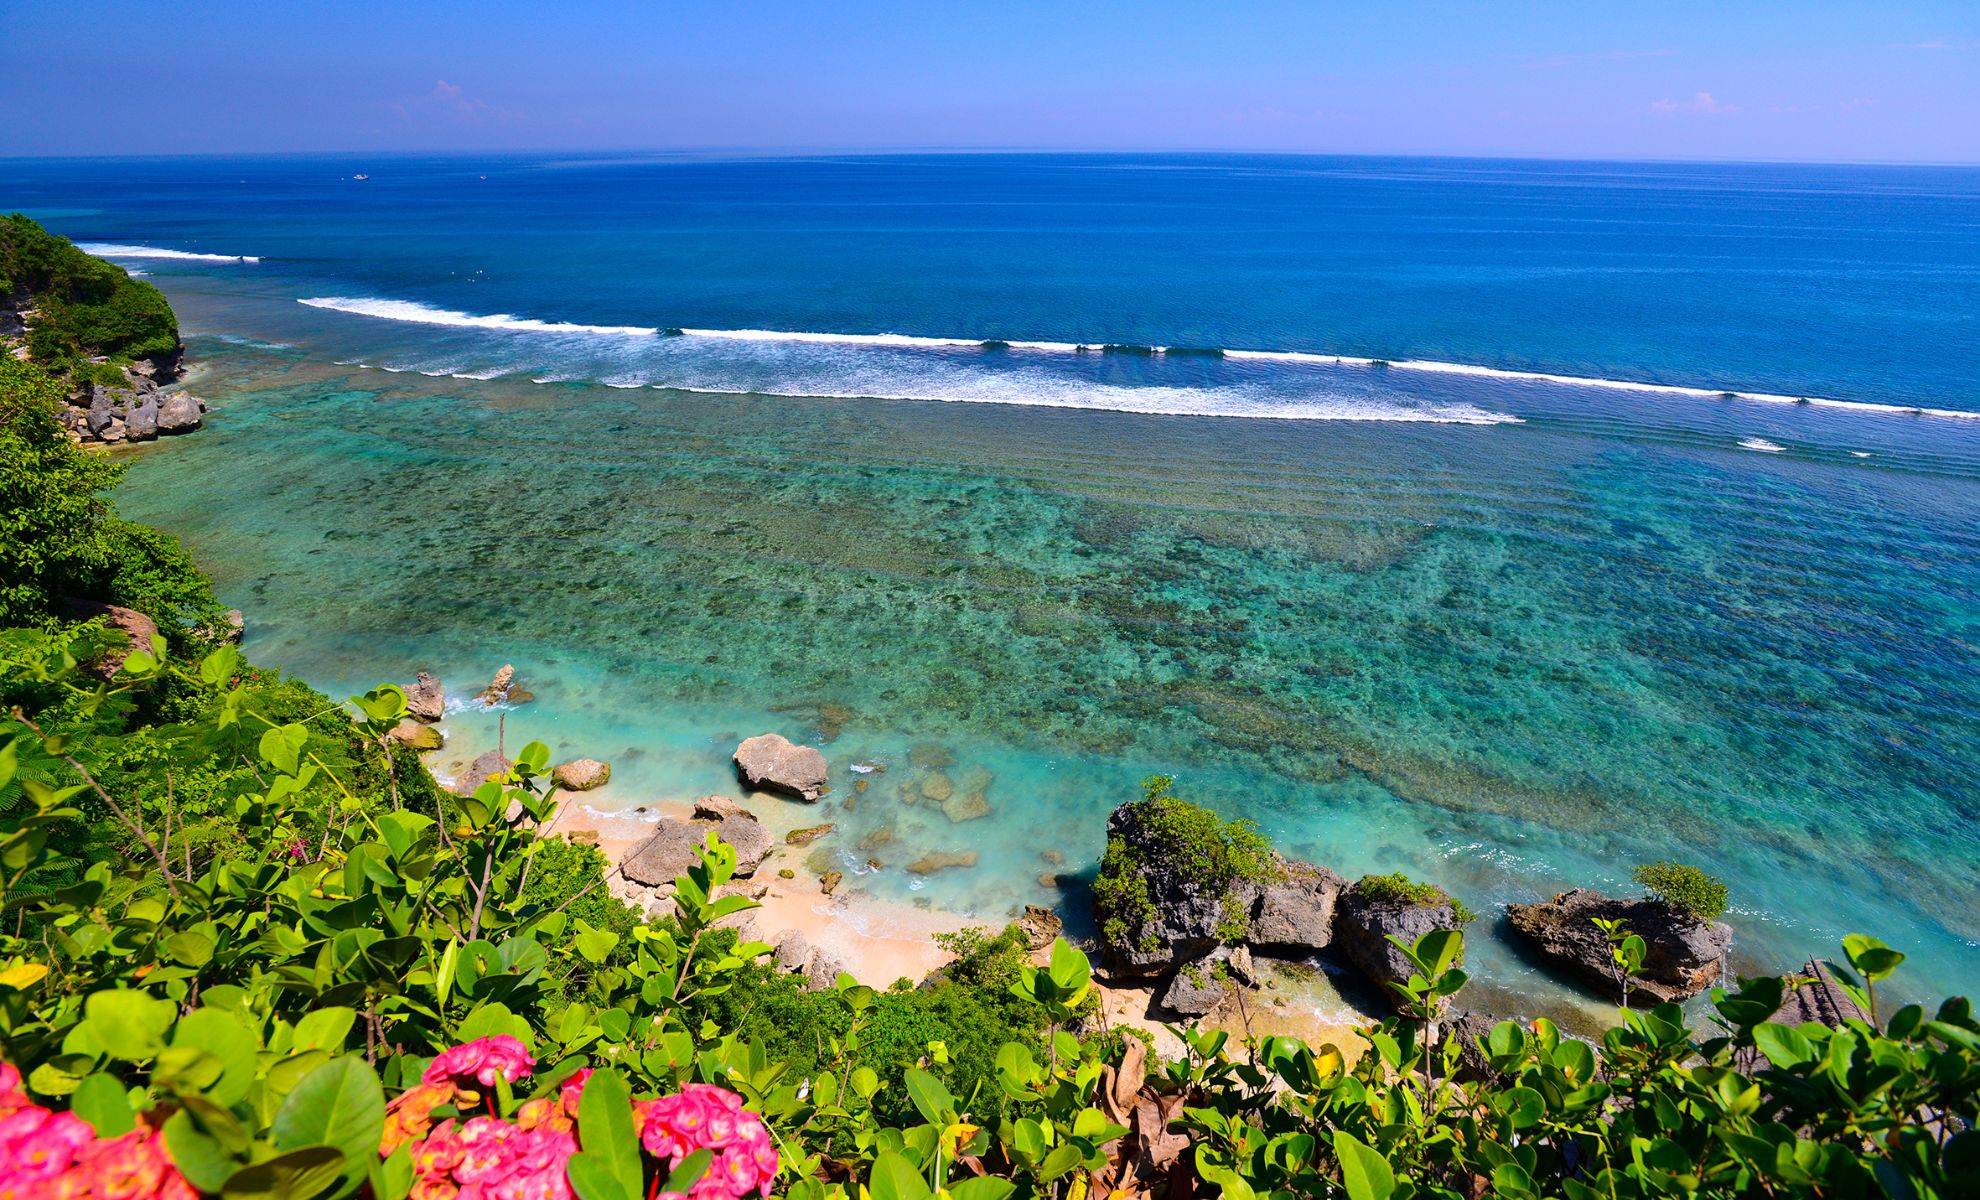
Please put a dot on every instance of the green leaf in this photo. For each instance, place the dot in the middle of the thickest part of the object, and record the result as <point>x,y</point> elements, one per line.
<point>1783,1045</point>
<point>689,1173</point>
<point>340,1104</point>
<point>895,1178</point>
<point>392,1179</point>
<point>325,1029</point>
<point>605,1128</point>
<point>226,1039</point>
<point>1062,1159</point>
<point>1872,959</point>
<point>297,1175</point>
<point>199,1156</point>
<point>1438,949</point>
<point>1364,1173</point>
<point>128,1025</point>
<point>282,747</point>
<point>101,1100</point>
<point>931,1099</point>
<point>986,1187</point>
<point>592,1178</point>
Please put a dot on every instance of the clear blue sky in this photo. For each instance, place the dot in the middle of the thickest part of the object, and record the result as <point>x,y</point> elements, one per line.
<point>1817,79</point>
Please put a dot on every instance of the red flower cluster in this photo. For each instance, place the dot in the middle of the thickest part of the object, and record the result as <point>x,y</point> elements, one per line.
<point>477,1063</point>
<point>57,1156</point>
<point>702,1116</point>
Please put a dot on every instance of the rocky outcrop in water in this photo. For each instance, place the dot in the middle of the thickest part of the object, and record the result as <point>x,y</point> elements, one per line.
<point>1684,955</point>
<point>582,774</point>
<point>138,412</point>
<point>425,700</point>
<point>770,762</point>
<point>1365,919</point>
<point>670,851</point>
<point>1295,919</point>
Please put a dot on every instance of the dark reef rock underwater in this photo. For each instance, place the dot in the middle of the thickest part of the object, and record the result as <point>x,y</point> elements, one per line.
<point>1684,954</point>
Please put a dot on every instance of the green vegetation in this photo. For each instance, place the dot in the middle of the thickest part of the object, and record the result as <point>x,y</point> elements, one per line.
<point>1204,847</point>
<point>1684,887</point>
<point>59,539</point>
<point>1403,889</point>
<point>240,936</point>
<point>84,307</point>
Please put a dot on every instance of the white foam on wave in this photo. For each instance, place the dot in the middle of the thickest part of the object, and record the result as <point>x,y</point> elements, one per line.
<point>426,314</point>
<point>118,250</point>
<point>413,311</point>
<point>1762,445</point>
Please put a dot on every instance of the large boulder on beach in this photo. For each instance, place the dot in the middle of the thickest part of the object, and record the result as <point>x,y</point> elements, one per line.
<point>1373,910</point>
<point>178,413</point>
<point>769,762</point>
<point>425,700</point>
<point>1683,955</point>
<point>1197,989</point>
<point>670,851</point>
<point>485,767</point>
<point>141,421</point>
<point>581,774</point>
<point>1295,919</point>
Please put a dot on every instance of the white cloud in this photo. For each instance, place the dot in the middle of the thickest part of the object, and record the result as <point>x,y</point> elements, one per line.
<point>1701,104</point>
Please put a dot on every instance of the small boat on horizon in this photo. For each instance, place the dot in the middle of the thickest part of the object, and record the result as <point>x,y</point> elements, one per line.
<point>360,175</point>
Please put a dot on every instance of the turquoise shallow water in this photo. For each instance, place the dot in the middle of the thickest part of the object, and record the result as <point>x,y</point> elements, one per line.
<point>1509,658</point>
<point>603,421</point>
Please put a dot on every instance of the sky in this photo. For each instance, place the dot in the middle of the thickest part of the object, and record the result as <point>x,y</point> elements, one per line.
<point>1813,80</point>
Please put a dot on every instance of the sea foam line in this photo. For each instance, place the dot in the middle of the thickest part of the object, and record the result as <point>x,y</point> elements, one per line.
<point>406,310</point>
<point>426,314</point>
<point>118,250</point>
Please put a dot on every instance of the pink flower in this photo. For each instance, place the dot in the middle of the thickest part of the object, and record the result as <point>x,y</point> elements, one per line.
<point>703,1116</point>
<point>481,1062</point>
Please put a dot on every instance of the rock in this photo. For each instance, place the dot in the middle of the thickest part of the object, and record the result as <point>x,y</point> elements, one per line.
<point>425,699</point>
<point>719,808</point>
<point>136,629</point>
<point>1362,926</point>
<point>1185,917</point>
<point>519,695</point>
<point>1041,926</point>
<point>114,431</point>
<point>941,860</point>
<point>1818,999</point>
<point>178,413</point>
<point>829,882</point>
<point>786,873</point>
<point>792,950</point>
<point>822,974</point>
<point>582,774</point>
<point>498,688</point>
<point>670,851</point>
<point>141,421</point>
<point>807,835</point>
<point>1295,919</point>
<point>930,756</point>
<point>1470,1029</point>
<point>97,420</point>
<point>236,626</point>
<point>584,837</point>
<point>1053,858</point>
<point>966,806</point>
<point>479,772</point>
<point>419,736</point>
<point>1241,967</point>
<point>1196,990</point>
<point>937,786</point>
<point>770,762</point>
<point>1683,957</point>
<point>877,838</point>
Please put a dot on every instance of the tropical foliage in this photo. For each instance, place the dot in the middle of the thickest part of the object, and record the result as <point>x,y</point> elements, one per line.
<point>83,307</point>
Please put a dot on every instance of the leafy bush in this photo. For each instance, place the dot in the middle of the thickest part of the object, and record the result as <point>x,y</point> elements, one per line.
<point>1402,889</point>
<point>1684,887</point>
<point>84,306</point>
<point>1205,848</point>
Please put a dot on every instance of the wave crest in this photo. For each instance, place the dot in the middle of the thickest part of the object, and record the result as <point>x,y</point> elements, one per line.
<point>119,250</point>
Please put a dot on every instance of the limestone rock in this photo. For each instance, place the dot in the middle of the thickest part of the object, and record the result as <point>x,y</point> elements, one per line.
<point>669,852</point>
<point>1241,967</point>
<point>480,771</point>
<point>581,774</point>
<point>792,951</point>
<point>425,699</point>
<point>807,835</point>
<point>236,626</point>
<point>1363,925</point>
<point>136,629</point>
<point>937,786</point>
<point>141,421</point>
<point>1819,999</point>
<point>770,762</point>
<point>178,413</point>
<point>1185,916</point>
<point>1196,989</point>
<point>1684,955</point>
<point>498,688</point>
<point>719,808</point>
<point>1295,919</point>
<point>822,973</point>
<point>1041,926</point>
<point>419,736</point>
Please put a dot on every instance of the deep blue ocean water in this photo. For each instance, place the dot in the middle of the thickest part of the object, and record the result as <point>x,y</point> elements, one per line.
<point>663,434</point>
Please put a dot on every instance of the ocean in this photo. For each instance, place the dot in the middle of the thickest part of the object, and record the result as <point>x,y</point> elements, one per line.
<point>1505,523</point>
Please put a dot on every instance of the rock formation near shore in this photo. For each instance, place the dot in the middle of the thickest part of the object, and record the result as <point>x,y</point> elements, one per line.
<point>670,851</point>
<point>1684,954</point>
<point>1368,917</point>
<point>581,774</point>
<point>425,700</point>
<point>770,762</point>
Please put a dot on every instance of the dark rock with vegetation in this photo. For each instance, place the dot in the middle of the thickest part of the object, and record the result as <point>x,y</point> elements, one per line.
<point>769,762</point>
<point>1197,988</point>
<point>110,338</point>
<point>1295,918</point>
<point>1176,882</point>
<point>1379,907</point>
<point>1683,956</point>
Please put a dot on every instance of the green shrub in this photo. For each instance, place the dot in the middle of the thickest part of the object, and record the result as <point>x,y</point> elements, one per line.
<point>84,307</point>
<point>1683,887</point>
<point>1402,888</point>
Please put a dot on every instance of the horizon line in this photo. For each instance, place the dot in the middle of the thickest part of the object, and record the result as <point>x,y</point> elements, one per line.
<point>790,152</point>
